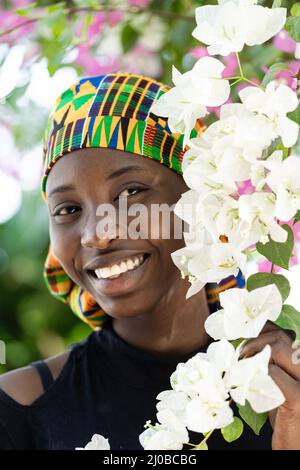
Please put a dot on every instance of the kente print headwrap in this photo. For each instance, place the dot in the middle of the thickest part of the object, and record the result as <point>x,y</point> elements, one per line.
<point>111,111</point>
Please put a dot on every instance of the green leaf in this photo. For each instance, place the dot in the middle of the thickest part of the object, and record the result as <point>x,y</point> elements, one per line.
<point>129,36</point>
<point>276,4</point>
<point>263,55</point>
<point>233,431</point>
<point>289,319</point>
<point>253,419</point>
<point>278,253</point>
<point>236,342</point>
<point>297,217</point>
<point>26,9</point>
<point>285,150</point>
<point>202,446</point>
<point>56,6</point>
<point>264,279</point>
<point>295,115</point>
<point>295,10</point>
<point>273,71</point>
<point>292,26</point>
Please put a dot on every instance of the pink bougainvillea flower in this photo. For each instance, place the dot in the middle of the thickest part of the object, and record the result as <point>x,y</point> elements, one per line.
<point>231,65</point>
<point>9,20</point>
<point>283,42</point>
<point>142,60</point>
<point>287,77</point>
<point>100,19</point>
<point>139,3</point>
<point>198,52</point>
<point>20,3</point>
<point>95,65</point>
<point>96,27</point>
<point>245,187</point>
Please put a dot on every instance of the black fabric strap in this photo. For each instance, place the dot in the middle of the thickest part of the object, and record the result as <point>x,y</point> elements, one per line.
<point>45,374</point>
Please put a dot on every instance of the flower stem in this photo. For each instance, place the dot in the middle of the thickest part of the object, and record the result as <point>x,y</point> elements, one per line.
<point>236,81</point>
<point>252,83</point>
<point>239,64</point>
<point>198,446</point>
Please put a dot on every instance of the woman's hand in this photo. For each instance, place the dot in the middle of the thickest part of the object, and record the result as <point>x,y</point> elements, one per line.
<point>284,369</point>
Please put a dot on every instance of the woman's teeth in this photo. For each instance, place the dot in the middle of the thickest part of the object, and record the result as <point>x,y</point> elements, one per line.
<point>116,270</point>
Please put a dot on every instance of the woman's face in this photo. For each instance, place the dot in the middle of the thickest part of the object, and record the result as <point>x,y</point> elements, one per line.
<point>78,184</point>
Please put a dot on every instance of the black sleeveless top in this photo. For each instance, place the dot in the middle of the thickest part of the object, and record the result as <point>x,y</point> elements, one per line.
<point>107,387</point>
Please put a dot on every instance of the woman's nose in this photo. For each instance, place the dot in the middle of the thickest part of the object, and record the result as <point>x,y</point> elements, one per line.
<point>93,237</point>
<point>93,241</point>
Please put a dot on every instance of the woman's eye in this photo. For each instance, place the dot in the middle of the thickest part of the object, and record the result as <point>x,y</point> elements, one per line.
<point>132,191</point>
<point>68,210</point>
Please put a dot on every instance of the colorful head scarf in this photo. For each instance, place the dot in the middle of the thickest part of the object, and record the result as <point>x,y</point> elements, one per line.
<point>111,111</point>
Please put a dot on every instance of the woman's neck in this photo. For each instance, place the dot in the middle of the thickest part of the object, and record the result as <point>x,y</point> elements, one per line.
<point>174,326</point>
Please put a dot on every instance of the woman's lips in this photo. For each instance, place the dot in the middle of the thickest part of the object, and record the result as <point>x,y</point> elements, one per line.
<point>123,283</point>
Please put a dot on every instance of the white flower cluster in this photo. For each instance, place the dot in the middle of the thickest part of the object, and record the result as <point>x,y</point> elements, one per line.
<point>201,390</point>
<point>232,150</point>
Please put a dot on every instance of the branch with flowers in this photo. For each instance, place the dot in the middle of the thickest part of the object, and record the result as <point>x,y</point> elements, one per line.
<point>251,143</point>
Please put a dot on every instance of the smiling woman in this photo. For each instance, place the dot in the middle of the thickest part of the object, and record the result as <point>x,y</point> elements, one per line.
<point>126,288</point>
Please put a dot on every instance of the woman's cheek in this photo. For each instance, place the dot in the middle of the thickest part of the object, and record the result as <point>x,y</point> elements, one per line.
<point>63,244</point>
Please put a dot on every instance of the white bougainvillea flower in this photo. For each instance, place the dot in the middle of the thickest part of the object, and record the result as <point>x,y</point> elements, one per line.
<point>174,401</point>
<point>97,442</point>
<point>222,354</point>
<point>205,415</point>
<point>244,314</point>
<point>194,90</point>
<point>221,162</point>
<point>207,407</point>
<point>248,379</point>
<point>219,214</point>
<point>192,377</point>
<point>258,210</point>
<point>249,132</point>
<point>209,263</point>
<point>221,27</point>
<point>168,434</point>
<point>227,27</point>
<point>284,180</point>
<point>187,207</point>
<point>203,84</point>
<point>203,175</point>
<point>258,173</point>
<point>181,113</point>
<point>217,261</point>
<point>275,102</point>
<point>227,150</point>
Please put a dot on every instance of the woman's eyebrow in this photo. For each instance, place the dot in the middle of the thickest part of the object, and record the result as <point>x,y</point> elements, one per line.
<point>61,189</point>
<point>125,169</point>
<point>114,174</point>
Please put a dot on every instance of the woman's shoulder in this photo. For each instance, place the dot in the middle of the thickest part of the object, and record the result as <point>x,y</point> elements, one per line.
<point>24,385</point>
